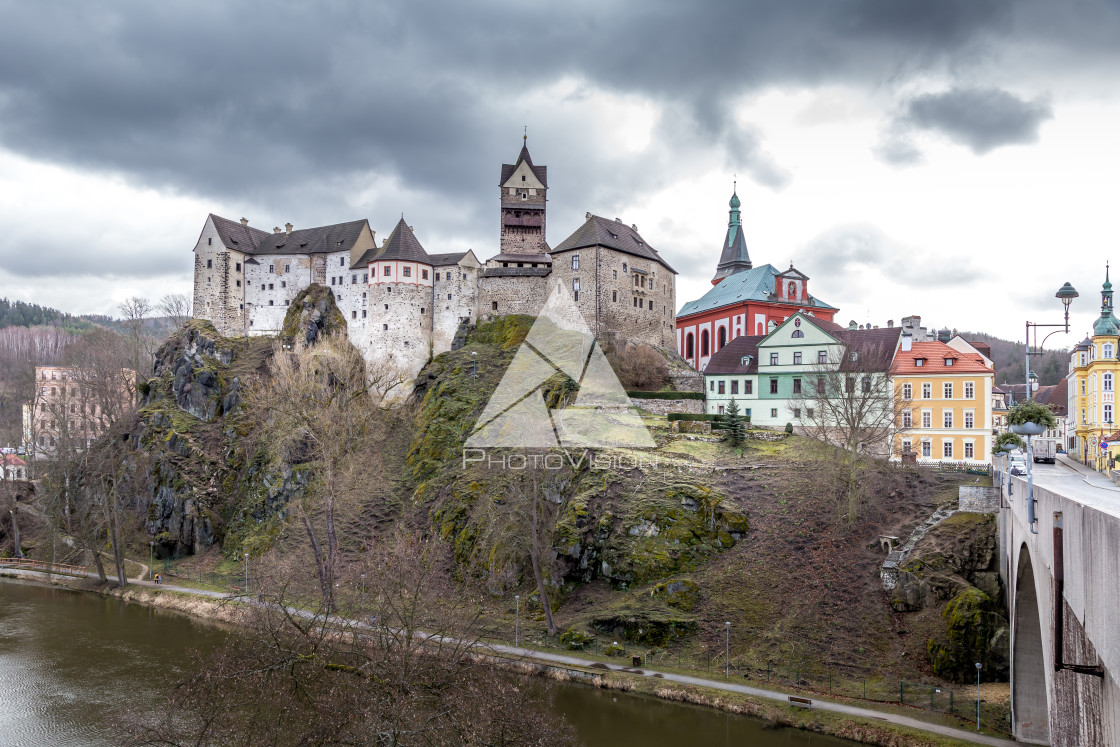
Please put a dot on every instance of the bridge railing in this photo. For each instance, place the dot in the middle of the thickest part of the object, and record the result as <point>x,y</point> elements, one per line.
<point>42,565</point>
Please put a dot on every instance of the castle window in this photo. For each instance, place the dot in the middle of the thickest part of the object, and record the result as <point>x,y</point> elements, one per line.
<point>635,302</point>
<point>386,307</point>
<point>493,305</point>
<point>365,277</point>
<point>332,279</point>
<point>624,268</point>
<point>651,305</point>
<point>437,276</point>
<point>272,269</point>
<point>238,283</point>
<point>423,274</point>
<point>270,286</point>
<point>363,313</point>
<point>448,296</point>
<point>421,309</point>
<point>389,290</point>
<point>271,302</point>
<point>614,296</point>
<point>341,260</point>
<point>704,344</point>
<point>287,268</point>
<point>354,279</point>
<point>353,314</point>
<point>614,274</point>
<point>407,272</point>
<point>209,242</point>
<point>239,267</point>
<point>575,288</point>
<point>385,327</point>
<point>575,261</point>
<point>688,346</point>
<point>209,264</point>
<point>262,286</point>
<point>464,275</point>
<point>283,283</point>
<point>388,271</point>
<point>636,277</point>
<point>286,302</point>
<point>522,177</point>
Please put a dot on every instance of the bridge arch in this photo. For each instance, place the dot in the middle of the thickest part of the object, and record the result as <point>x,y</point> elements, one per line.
<point>1029,703</point>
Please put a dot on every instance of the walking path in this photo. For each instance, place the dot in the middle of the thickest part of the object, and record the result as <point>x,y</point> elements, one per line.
<point>514,652</point>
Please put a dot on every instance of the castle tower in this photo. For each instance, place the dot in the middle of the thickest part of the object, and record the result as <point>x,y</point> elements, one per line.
<point>400,303</point>
<point>734,257</point>
<point>524,189</point>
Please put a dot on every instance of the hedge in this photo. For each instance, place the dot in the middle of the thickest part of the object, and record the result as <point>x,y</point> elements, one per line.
<point>665,395</point>
<point>691,416</point>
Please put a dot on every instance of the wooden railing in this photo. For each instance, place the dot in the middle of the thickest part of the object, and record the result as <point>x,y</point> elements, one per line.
<point>42,565</point>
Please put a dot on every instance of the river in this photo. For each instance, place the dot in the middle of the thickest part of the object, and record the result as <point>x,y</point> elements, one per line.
<point>70,661</point>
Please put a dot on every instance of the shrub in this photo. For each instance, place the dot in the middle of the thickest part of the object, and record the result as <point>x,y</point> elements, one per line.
<point>734,424</point>
<point>637,394</point>
<point>789,427</point>
<point>575,640</point>
<point>640,367</point>
<point>615,650</point>
<point>1032,412</point>
<point>690,416</point>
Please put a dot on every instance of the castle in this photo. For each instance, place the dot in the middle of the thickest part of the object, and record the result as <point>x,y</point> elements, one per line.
<point>404,305</point>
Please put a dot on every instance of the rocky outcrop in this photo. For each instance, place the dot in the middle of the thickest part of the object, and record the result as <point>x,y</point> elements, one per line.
<point>192,357</point>
<point>312,314</point>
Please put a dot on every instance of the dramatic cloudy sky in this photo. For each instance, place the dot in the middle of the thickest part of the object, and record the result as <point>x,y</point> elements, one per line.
<point>956,159</point>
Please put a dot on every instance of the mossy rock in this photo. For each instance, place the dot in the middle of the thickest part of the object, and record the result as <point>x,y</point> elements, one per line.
<point>653,627</point>
<point>576,640</point>
<point>680,594</point>
<point>975,631</point>
<point>312,314</point>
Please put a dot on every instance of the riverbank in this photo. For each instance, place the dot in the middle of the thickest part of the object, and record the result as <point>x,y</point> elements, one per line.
<point>772,707</point>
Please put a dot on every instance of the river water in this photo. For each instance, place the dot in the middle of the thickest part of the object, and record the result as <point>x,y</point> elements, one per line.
<point>70,661</point>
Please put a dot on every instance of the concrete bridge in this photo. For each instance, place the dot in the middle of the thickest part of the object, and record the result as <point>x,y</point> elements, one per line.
<point>1062,578</point>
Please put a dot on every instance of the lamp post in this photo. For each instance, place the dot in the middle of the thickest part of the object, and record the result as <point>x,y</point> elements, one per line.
<point>151,558</point>
<point>517,617</point>
<point>978,665</point>
<point>474,362</point>
<point>727,651</point>
<point>1065,294</point>
<point>246,573</point>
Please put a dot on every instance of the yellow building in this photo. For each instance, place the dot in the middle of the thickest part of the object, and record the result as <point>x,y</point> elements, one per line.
<point>1094,369</point>
<point>945,402</point>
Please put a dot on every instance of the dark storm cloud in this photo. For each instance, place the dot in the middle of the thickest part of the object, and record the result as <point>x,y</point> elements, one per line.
<point>982,119</point>
<point>293,107</point>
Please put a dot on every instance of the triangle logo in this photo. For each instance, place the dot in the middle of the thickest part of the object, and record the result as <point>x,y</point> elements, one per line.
<point>559,343</point>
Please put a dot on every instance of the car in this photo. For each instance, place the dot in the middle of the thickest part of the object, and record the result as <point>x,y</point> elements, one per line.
<point>1018,465</point>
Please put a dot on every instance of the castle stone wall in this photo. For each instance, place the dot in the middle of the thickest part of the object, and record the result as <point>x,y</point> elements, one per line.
<point>218,281</point>
<point>271,284</point>
<point>455,297</point>
<point>399,329</point>
<point>512,292</point>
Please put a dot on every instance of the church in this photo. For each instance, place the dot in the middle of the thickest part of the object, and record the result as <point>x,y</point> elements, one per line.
<point>403,304</point>
<point>745,300</point>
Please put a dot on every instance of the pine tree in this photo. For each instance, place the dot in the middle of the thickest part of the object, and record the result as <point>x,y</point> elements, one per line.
<point>736,431</point>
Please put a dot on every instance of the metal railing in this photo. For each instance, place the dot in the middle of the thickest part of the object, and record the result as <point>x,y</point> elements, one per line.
<point>42,565</point>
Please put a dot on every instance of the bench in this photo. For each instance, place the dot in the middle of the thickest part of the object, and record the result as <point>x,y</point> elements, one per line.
<point>800,702</point>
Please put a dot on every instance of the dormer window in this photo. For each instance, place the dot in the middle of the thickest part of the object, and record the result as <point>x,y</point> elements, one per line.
<point>853,356</point>
<point>919,361</point>
<point>948,361</point>
<point>746,360</point>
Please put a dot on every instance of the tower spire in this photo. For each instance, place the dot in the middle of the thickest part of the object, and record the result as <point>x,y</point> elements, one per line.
<point>734,257</point>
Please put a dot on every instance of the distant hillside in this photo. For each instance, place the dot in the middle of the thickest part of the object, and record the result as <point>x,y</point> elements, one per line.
<point>1008,356</point>
<point>21,314</point>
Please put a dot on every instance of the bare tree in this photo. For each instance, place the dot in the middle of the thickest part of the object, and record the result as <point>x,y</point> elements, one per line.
<point>640,367</point>
<point>318,415</point>
<point>408,674</point>
<point>135,312</point>
<point>177,307</point>
<point>521,525</point>
<point>850,404</point>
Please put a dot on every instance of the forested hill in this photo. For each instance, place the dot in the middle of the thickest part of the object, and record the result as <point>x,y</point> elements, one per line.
<point>1008,356</point>
<point>21,314</point>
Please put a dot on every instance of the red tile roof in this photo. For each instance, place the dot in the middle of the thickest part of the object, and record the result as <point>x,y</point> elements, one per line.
<point>11,460</point>
<point>934,355</point>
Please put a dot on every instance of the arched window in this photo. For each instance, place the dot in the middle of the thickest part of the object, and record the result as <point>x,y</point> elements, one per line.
<point>797,333</point>
<point>792,290</point>
<point>1108,382</point>
<point>722,337</point>
<point>689,350</point>
<point>704,343</point>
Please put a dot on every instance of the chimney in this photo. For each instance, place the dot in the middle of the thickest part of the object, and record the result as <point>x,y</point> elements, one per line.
<point>634,227</point>
<point>276,229</point>
<point>852,324</point>
<point>587,216</point>
<point>244,221</point>
<point>907,342</point>
<point>288,227</point>
<point>890,323</point>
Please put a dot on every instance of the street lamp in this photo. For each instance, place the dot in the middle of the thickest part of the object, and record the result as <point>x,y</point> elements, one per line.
<point>1065,294</point>
<point>727,651</point>
<point>246,573</point>
<point>517,618</point>
<point>978,665</point>
<point>151,558</point>
<point>474,361</point>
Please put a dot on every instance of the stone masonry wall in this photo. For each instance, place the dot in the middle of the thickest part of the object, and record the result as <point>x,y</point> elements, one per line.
<point>513,294</point>
<point>608,294</point>
<point>979,500</point>
<point>399,328</point>
<point>218,276</point>
<point>455,296</point>
<point>271,284</point>
<point>666,406</point>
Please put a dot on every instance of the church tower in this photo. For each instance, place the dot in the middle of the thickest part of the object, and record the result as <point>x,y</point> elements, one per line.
<point>523,196</point>
<point>734,257</point>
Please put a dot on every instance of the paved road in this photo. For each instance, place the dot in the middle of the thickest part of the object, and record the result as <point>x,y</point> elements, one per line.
<point>546,657</point>
<point>1074,480</point>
